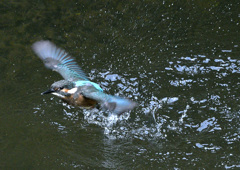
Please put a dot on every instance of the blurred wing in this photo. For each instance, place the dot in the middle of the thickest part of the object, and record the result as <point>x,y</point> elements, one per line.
<point>58,60</point>
<point>117,105</point>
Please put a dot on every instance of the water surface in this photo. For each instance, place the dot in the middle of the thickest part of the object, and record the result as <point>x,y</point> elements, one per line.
<point>178,59</point>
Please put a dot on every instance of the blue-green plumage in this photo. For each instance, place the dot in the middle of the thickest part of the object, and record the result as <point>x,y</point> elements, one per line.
<point>76,89</point>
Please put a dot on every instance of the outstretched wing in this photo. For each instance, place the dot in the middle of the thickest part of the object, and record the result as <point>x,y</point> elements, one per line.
<point>58,60</point>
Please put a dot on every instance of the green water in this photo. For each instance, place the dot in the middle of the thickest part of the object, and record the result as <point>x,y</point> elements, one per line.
<point>178,59</point>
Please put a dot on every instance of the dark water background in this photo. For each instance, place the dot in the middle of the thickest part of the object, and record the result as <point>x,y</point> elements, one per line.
<point>180,60</point>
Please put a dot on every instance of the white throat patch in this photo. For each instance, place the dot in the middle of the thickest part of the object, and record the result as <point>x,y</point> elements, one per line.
<point>57,94</point>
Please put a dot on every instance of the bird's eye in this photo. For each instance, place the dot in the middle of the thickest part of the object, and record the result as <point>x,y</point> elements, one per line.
<point>58,88</point>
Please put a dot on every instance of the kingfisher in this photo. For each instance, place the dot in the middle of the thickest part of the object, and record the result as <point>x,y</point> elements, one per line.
<point>76,89</point>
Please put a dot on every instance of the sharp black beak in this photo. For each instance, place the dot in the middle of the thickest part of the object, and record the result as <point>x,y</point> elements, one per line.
<point>48,91</point>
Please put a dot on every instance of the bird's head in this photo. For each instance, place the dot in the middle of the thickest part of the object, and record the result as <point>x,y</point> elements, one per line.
<point>62,89</point>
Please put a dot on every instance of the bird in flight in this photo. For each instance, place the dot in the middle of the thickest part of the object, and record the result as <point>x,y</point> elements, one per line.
<point>76,89</point>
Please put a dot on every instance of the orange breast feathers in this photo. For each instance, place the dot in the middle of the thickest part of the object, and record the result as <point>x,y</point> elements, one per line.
<point>80,100</point>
